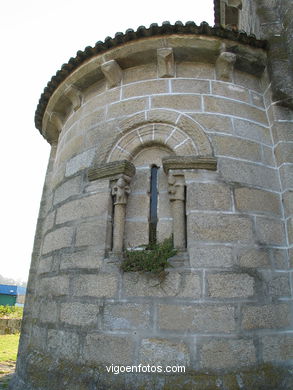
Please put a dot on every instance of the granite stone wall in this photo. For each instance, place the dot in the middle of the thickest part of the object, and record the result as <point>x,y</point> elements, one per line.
<point>224,309</point>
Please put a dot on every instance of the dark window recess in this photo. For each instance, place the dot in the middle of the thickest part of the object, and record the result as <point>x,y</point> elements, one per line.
<point>153,205</point>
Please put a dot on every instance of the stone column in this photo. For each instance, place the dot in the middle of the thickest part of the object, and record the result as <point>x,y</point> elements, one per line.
<point>177,199</point>
<point>120,191</point>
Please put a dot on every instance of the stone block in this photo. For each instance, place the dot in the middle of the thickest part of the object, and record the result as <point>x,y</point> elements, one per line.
<point>57,239</point>
<point>100,285</point>
<point>63,344</point>
<point>72,147</point>
<point>227,353</point>
<point>282,131</point>
<point>141,180</point>
<point>214,122</point>
<point>288,202</point>
<point>144,88</point>
<point>177,102</point>
<point>45,265</point>
<point>254,258</point>
<point>79,314</point>
<point>89,206</point>
<point>210,256</point>
<point>208,196</point>
<point>190,86</point>
<point>136,233</point>
<point>218,228</point>
<point>83,259</point>
<point>195,70</point>
<point>230,285</point>
<point>191,286</point>
<point>257,99</point>
<point>92,233</point>
<point>278,283</point>
<point>79,162</point>
<point>196,318</point>
<point>108,349</point>
<point>247,80</point>
<point>49,221</point>
<point>100,100</point>
<point>48,312</point>
<point>248,173</point>
<point>164,206</point>
<point>236,147</point>
<point>126,316</point>
<point>234,108</point>
<point>164,229</point>
<point>102,136</point>
<point>53,286</point>
<point>252,131</point>
<point>137,73</point>
<point>230,91</point>
<point>290,230</point>
<point>267,316</point>
<point>286,175</point>
<point>127,107</point>
<point>66,190</point>
<point>270,231</point>
<point>163,352</point>
<point>284,153</point>
<point>277,347</point>
<point>268,156</point>
<point>257,201</point>
<point>141,285</point>
<point>93,119</point>
<point>138,205</point>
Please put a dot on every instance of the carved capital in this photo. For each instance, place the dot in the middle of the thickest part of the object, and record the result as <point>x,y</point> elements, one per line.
<point>176,187</point>
<point>121,190</point>
<point>166,67</point>
<point>112,72</point>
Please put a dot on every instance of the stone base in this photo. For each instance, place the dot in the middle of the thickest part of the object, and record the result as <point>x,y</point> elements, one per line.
<point>41,372</point>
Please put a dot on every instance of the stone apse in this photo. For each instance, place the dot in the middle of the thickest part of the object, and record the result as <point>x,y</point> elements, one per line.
<point>191,108</point>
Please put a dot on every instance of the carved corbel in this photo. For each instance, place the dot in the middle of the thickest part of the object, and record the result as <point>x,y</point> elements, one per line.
<point>56,121</point>
<point>112,72</point>
<point>166,65</point>
<point>225,66</point>
<point>75,96</point>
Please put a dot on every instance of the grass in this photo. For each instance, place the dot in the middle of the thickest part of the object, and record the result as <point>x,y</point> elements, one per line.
<point>8,347</point>
<point>153,258</point>
<point>11,311</point>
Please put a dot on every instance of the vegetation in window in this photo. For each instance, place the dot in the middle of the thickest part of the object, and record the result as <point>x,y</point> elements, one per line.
<point>151,258</point>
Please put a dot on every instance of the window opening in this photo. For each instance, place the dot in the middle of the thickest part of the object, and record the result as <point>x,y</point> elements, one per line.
<point>153,219</point>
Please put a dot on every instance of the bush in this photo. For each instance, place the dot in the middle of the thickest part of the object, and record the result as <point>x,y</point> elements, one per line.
<point>152,258</point>
<point>11,311</point>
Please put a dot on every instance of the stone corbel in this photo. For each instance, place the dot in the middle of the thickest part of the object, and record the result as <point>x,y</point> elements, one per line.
<point>112,72</point>
<point>225,66</point>
<point>166,65</point>
<point>75,96</point>
<point>56,121</point>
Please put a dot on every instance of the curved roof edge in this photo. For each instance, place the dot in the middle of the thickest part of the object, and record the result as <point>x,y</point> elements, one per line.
<point>130,35</point>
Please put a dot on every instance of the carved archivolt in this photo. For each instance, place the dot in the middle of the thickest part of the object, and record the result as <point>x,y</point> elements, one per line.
<point>173,130</point>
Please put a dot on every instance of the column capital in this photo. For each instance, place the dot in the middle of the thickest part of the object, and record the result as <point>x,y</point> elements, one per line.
<point>121,190</point>
<point>176,187</point>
